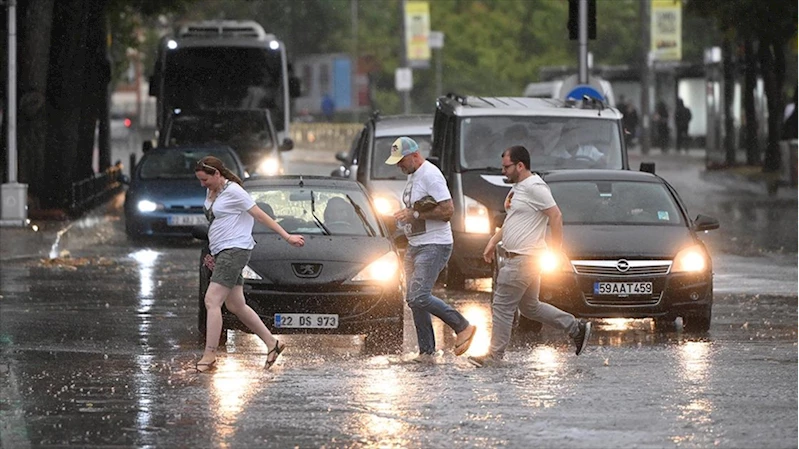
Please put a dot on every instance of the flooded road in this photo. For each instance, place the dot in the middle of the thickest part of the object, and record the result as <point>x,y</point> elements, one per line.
<point>98,350</point>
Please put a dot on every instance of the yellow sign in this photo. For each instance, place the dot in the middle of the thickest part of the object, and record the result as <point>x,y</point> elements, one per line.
<point>417,32</point>
<point>666,28</point>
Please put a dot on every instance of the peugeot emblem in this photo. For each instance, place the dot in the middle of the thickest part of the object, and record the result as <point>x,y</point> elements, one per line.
<point>307,270</point>
<point>622,265</point>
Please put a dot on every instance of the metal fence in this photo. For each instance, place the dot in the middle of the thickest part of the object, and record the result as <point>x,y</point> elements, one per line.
<point>89,192</point>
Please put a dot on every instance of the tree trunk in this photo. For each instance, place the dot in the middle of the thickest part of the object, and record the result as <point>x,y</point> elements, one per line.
<point>728,73</point>
<point>64,99</point>
<point>772,80</point>
<point>750,82</point>
<point>36,24</point>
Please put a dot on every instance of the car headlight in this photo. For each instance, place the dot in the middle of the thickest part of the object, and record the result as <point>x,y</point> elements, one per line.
<point>269,167</point>
<point>148,206</point>
<point>553,261</point>
<point>475,218</point>
<point>690,260</point>
<point>249,273</point>
<point>383,269</point>
<point>385,204</point>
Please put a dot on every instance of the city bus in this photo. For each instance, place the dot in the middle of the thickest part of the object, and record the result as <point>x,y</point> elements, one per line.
<point>223,65</point>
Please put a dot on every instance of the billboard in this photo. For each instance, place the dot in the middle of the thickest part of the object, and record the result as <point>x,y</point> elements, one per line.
<point>417,32</point>
<point>666,28</point>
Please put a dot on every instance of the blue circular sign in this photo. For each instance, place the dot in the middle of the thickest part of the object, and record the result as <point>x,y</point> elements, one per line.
<point>584,90</point>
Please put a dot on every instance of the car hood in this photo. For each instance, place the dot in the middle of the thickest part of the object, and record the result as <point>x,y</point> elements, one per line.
<point>170,192</point>
<point>625,241</point>
<point>340,257</point>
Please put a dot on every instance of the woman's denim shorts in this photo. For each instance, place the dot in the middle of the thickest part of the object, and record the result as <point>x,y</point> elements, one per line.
<point>228,264</point>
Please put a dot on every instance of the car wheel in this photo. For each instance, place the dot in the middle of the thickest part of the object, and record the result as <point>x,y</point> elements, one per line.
<point>455,278</point>
<point>529,326</point>
<point>385,340</point>
<point>697,321</point>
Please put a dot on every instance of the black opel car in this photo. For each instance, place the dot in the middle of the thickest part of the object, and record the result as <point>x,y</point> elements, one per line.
<point>630,250</point>
<point>347,279</point>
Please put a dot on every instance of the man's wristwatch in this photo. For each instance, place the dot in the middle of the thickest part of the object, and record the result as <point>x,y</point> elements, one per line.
<point>416,214</point>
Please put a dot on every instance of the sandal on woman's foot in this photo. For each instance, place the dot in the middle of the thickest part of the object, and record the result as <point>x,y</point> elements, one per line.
<point>204,367</point>
<point>271,356</point>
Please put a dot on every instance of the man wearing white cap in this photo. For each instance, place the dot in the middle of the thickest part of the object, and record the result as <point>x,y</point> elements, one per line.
<point>429,246</point>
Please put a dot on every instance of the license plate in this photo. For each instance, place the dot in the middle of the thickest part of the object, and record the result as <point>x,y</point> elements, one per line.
<point>186,220</point>
<point>306,320</point>
<point>622,288</point>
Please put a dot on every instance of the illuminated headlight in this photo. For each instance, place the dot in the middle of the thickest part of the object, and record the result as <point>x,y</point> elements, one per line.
<point>386,205</point>
<point>249,273</point>
<point>269,167</point>
<point>274,45</point>
<point>552,261</point>
<point>476,220</point>
<point>171,44</point>
<point>147,206</point>
<point>690,260</point>
<point>383,269</point>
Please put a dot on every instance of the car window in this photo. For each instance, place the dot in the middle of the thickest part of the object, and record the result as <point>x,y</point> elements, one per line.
<point>615,202</point>
<point>239,131</point>
<point>180,163</point>
<point>291,207</point>
<point>553,142</point>
<point>382,149</point>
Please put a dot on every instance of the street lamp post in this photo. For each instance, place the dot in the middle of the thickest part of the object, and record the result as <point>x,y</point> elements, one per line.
<point>14,196</point>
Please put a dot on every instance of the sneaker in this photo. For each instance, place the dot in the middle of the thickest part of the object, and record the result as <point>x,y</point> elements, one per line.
<point>582,336</point>
<point>481,361</point>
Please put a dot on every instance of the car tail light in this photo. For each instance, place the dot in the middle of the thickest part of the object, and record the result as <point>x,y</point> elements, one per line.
<point>128,122</point>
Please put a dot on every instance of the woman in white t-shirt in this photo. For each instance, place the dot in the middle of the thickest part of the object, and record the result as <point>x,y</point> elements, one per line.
<point>230,243</point>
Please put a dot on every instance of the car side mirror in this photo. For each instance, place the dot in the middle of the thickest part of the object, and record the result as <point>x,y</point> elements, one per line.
<point>705,223</point>
<point>435,161</point>
<point>287,144</point>
<point>340,172</point>
<point>295,87</point>
<point>146,146</point>
<point>342,156</point>
<point>200,232</point>
<point>648,167</point>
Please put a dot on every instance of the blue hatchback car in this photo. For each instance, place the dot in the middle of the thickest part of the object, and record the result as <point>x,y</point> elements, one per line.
<point>164,198</point>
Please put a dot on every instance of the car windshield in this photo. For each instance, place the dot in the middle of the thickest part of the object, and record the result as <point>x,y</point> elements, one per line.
<point>382,149</point>
<point>553,142</point>
<point>615,202</point>
<point>294,207</point>
<point>180,163</point>
<point>242,130</point>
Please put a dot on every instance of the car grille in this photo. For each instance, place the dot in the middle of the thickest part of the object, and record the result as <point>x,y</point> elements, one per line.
<point>611,267</point>
<point>629,301</point>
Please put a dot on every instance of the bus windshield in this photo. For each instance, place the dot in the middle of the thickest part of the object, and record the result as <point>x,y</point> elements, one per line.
<point>225,77</point>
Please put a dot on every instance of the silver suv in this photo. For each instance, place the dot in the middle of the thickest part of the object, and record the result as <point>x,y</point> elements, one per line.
<point>366,159</point>
<point>470,134</point>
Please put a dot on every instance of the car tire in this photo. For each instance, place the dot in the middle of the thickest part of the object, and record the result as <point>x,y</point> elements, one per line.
<point>527,325</point>
<point>697,321</point>
<point>455,278</point>
<point>385,340</point>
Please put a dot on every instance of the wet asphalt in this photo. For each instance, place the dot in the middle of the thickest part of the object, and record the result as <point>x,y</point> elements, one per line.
<point>97,348</point>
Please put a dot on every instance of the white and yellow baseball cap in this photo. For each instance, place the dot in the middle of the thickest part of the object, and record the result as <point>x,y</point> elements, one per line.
<point>402,147</point>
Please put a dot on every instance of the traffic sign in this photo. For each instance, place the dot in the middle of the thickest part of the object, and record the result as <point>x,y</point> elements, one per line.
<point>403,79</point>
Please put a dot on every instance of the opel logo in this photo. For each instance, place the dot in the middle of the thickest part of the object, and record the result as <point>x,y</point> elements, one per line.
<point>622,265</point>
<point>306,270</point>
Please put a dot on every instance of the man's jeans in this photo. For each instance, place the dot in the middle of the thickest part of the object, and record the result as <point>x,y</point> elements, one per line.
<point>423,263</point>
<point>517,286</point>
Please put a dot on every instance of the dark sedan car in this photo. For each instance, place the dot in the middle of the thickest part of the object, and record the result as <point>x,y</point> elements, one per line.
<point>164,198</point>
<point>347,279</point>
<point>632,251</point>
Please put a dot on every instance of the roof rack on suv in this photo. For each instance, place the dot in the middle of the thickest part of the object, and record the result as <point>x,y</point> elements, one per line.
<point>223,28</point>
<point>459,98</point>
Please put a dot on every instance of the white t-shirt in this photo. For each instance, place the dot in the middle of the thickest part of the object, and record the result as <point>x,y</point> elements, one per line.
<point>525,227</point>
<point>426,180</point>
<point>232,224</point>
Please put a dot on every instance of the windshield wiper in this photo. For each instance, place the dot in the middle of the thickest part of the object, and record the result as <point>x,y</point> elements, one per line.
<point>359,212</point>
<point>316,219</point>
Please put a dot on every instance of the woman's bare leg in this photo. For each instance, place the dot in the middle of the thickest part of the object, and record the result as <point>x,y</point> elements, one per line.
<point>214,298</point>
<point>235,304</point>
